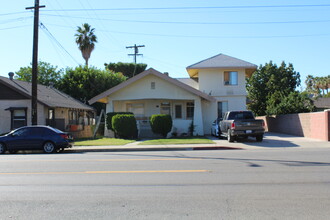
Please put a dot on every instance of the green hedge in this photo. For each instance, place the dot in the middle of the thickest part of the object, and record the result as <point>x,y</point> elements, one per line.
<point>125,126</point>
<point>111,114</point>
<point>161,124</point>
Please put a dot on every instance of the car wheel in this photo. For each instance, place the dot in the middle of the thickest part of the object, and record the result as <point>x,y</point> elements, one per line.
<point>259,138</point>
<point>12,151</point>
<point>2,148</point>
<point>49,147</point>
<point>230,138</point>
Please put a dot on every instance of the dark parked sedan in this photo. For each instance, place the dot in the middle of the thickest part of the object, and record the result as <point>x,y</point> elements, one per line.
<point>43,138</point>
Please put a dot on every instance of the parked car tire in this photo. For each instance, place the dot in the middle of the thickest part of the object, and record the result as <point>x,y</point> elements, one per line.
<point>230,138</point>
<point>49,147</point>
<point>2,148</point>
<point>220,134</point>
<point>259,138</point>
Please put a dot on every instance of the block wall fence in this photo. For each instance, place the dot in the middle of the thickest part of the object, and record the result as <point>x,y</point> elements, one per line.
<point>311,125</point>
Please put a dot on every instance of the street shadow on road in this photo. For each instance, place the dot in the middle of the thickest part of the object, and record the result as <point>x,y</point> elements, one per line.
<point>267,142</point>
<point>250,162</point>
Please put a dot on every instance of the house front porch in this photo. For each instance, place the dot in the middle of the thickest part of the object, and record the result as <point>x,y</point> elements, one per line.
<point>183,113</point>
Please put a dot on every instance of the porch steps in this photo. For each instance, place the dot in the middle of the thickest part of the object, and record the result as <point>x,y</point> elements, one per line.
<point>145,130</point>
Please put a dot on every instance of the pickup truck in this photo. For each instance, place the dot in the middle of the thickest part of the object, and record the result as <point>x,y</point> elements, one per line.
<point>241,124</point>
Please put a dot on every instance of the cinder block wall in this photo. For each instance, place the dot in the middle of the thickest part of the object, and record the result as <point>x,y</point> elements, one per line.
<point>312,125</point>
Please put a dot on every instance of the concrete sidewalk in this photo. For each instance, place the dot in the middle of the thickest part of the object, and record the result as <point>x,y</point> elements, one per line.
<point>271,141</point>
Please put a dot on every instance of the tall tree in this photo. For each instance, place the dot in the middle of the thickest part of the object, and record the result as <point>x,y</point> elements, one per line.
<point>47,74</point>
<point>86,39</point>
<point>83,83</point>
<point>318,86</point>
<point>127,69</point>
<point>272,87</point>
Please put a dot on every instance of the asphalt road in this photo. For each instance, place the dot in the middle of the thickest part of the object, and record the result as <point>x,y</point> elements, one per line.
<point>291,183</point>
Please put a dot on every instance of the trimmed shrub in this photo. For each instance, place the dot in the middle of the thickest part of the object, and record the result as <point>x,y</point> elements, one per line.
<point>111,114</point>
<point>161,124</point>
<point>125,126</point>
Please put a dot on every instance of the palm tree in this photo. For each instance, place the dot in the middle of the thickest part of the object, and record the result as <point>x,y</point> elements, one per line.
<point>86,39</point>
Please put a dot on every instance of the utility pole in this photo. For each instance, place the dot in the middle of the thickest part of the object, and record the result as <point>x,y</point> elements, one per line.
<point>136,53</point>
<point>34,100</point>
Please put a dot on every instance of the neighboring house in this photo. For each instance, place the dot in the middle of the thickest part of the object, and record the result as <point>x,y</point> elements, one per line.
<point>55,108</point>
<point>322,104</point>
<point>215,86</point>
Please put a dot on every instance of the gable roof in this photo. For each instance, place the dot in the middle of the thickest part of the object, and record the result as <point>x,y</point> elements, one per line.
<point>101,97</point>
<point>219,61</point>
<point>47,95</point>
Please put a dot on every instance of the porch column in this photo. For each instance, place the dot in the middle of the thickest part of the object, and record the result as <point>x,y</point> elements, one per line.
<point>198,117</point>
<point>109,108</point>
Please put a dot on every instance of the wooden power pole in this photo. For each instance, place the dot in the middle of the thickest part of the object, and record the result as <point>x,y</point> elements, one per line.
<point>135,54</point>
<point>34,100</point>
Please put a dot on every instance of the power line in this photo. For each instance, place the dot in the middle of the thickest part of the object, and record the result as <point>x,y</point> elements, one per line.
<point>198,7</point>
<point>205,36</point>
<point>15,27</point>
<point>200,23</point>
<point>57,42</point>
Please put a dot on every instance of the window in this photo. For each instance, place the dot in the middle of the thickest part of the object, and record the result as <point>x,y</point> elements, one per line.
<point>73,117</point>
<point>222,109</point>
<point>178,111</point>
<point>153,85</point>
<point>136,108</point>
<point>190,110</point>
<point>165,108</point>
<point>230,78</point>
<point>21,132</point>
<point>18,117</point>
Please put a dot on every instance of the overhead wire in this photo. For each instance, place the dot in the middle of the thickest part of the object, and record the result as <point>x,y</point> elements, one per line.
<point>204,36</point>
<point>204,23</point>
<point>198,7</point>
<point>43,27</point>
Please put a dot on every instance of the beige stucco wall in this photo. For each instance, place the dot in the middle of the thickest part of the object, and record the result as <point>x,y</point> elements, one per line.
<point>210,109</point>
<point>211,81</point>
<point>5,116</point>
<point>141,89</point>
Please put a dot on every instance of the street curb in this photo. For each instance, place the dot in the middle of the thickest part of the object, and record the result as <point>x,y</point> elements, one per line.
<point>83,149</point>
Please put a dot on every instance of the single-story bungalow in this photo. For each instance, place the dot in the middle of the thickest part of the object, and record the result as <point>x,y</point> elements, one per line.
<point>55,108</point>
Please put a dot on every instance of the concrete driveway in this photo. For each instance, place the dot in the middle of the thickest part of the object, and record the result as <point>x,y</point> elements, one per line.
<point>274,140</point>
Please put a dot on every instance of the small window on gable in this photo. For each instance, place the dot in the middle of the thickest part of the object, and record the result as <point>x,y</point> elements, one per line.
<point>230,78</point>
<point>153,85</point>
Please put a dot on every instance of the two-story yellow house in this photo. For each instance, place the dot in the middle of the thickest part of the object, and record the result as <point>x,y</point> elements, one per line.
<point>215,85</point>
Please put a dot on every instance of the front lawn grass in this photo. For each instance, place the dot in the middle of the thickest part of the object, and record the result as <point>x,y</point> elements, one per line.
<point>102,142</point>
<point>183,140</point>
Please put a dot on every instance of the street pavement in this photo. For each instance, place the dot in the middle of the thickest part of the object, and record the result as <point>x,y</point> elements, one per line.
<point>271,141</point>
<point>274,182</point>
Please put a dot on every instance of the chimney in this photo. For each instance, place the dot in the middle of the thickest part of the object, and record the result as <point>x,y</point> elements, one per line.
<point>11,75</point>
<point>166,73</point>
